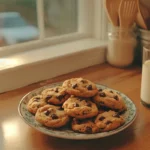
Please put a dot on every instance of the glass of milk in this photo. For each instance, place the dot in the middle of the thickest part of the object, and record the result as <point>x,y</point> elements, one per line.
<point>145,85</point>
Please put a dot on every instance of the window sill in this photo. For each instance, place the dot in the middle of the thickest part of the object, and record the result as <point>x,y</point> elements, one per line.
<point>25,68</point>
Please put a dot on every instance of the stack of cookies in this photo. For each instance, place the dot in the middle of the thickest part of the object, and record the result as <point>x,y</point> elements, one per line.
<point>79,101</point>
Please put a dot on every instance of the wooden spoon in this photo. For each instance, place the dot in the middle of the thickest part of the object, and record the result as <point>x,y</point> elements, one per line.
<point>142,16</point>
<point>112,7</point>
<point>146,15</point>
<point>140,21</point>
<point>127,13</point>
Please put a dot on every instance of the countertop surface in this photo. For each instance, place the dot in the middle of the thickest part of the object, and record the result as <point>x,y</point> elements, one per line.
<point>16,135</point>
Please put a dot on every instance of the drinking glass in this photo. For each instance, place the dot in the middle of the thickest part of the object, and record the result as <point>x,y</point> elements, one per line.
<point>145,84</point>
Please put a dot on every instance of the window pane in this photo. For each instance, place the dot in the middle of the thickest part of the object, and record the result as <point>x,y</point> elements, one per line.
<point>60,17</point>
<point>18,21</point>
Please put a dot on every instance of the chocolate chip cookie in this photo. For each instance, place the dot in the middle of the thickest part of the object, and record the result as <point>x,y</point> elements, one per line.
<point>56,95</point>
<point>51,116</point>
<point>35,103</point>
<point>108,121</point>
<point>80,87</point>
<point>110,99</point>
<point>84,126</point>
<point>80,108</point>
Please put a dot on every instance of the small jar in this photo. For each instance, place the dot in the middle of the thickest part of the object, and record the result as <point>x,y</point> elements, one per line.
<point>121,47</point>
<point>144,35</point>
<point>143,38</point>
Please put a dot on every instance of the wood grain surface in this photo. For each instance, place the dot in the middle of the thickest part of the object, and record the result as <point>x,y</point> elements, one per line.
<point>16,135</point>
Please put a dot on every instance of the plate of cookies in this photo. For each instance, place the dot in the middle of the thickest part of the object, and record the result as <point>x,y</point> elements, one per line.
<point>77,109</point>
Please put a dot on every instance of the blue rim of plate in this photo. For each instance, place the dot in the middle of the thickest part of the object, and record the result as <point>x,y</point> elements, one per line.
<point>28,118</point>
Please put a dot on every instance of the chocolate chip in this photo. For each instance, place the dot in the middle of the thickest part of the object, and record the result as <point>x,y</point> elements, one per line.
<point>78,121</point>
<point>80,98</point>
<point>116,115</point>
<point>60,97</point>
<point>84,112</point>
<point>48,97</point>
<point>74,86</point>
<point>102,94</point>
<point>76,105</point>
<point>101,102</point>
<point>47,112</point>
<point>38,106</point>
<point>54,116</point>
<point>108,122</point>
<point>101,118</point>
<point>89,104</point>
<point>100,90</point>
<point>83,81</point>
<point>111,91</point>
<point>60,108</point>
<point>117,110</point>
<point>88,130</point>
<point>56,90</point>
<point>102,128</point>
<point>89,87</point>
<point>116,97</point>
<point>36,99</point>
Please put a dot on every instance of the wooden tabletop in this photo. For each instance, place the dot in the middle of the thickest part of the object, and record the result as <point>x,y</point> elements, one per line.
<point>16,135</point>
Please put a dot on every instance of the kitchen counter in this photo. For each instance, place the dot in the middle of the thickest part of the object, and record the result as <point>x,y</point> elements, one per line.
<point>16,135</point>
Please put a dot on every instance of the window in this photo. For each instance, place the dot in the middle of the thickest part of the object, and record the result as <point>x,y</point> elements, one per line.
<point>60,17</point>
<point>30,24</point>
<point>19,21</point>
<point>75,32</point>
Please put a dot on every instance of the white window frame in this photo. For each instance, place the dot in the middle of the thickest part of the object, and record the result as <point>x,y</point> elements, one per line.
<point>92,23</point>
<point>34,61</point>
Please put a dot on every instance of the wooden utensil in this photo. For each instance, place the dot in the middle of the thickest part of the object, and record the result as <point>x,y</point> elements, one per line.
<point>142,16</point>
<point>112,7</point>
<point>146,15</point>
<point>140,21</point>
<point>127,13</point>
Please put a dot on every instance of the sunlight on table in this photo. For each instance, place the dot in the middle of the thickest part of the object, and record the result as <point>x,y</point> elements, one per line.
<point>11,129</point>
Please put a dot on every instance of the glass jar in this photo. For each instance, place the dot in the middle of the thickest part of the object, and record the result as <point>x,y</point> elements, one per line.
<point>144,35</point>
<point>145,84</point>
<point>121,47</point>
<point>143,38</point>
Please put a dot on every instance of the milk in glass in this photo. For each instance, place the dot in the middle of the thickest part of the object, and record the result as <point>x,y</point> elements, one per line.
<point>145,84</point>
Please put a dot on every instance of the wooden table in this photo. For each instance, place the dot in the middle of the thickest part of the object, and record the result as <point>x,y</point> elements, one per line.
<point>16,135</point>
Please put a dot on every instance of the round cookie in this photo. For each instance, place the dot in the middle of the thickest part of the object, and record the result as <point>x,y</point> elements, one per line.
<point>110,99</point>
<point>51,116</point>
<point>35,103</point>
<point>56,95</point>
<point>108,121</point>
<point>80,87</point>
<point>84,126</point>
<point>80,108</point>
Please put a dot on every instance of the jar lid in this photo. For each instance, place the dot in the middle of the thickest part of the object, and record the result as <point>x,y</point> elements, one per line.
<point>146,47</point>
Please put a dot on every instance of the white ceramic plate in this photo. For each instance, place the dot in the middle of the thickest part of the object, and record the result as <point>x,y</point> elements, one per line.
<point>66,133</point>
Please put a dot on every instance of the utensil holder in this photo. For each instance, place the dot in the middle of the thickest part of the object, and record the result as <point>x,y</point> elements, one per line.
<point>121,48</point>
